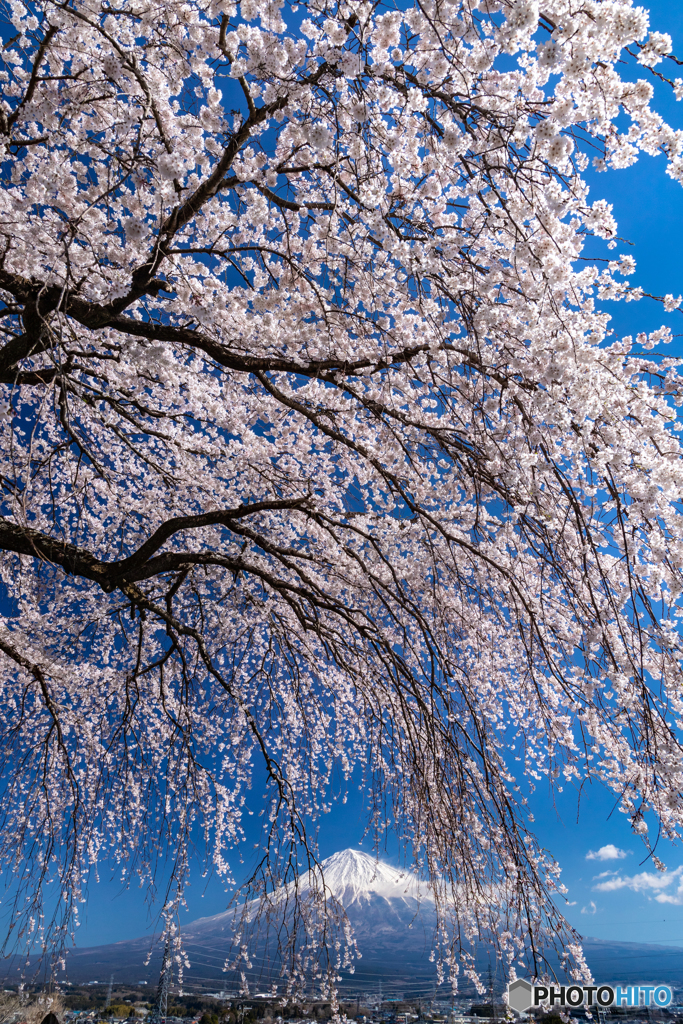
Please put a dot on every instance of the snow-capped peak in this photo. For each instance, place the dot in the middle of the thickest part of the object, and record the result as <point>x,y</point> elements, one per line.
<point>353,876</point>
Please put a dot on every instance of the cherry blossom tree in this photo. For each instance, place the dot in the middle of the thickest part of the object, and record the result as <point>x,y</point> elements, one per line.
<point>320,460</point>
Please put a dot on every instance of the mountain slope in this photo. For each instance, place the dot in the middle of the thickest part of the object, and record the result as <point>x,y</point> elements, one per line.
<point>393,917</point>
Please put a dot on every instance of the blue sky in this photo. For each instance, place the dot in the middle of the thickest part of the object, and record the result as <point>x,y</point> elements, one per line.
<point>608,899</point>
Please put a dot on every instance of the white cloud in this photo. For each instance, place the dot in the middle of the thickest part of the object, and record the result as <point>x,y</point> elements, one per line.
<point>571,903</point>
<point>650,882</point>
<point>604,874</point>
<point>672,897</point>
<point>608,852</point>
<point>590,909</point>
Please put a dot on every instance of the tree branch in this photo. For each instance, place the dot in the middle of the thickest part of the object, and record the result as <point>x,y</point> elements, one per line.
<point>79,562</point>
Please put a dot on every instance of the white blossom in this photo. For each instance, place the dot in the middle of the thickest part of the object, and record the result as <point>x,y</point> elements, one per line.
<point>322,464</point>
<point>170,166</point>
<point>136,229</point>
<point>559,148</point>
<point>319,136</point>
<point>657,46</point>
<point>626,265</point>
<point>523,15</point>
<point>111,65</point>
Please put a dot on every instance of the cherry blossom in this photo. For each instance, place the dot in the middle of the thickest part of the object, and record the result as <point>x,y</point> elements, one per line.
<point>321,462</point>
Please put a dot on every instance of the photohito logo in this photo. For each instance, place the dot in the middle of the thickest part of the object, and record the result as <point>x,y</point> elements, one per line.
<point>522,995</point>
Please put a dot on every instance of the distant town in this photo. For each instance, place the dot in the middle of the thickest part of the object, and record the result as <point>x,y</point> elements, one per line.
<point>102,1003</point>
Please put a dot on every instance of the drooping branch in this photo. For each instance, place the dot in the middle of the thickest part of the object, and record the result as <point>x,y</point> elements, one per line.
<point>372,494</point>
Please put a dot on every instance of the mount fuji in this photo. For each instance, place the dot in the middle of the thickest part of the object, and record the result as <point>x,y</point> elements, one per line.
<point>392,913</point>
<point>368,889</point>
<point>393,916</point>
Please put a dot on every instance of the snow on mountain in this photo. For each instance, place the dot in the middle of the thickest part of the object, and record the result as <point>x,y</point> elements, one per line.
<point>354,878</point>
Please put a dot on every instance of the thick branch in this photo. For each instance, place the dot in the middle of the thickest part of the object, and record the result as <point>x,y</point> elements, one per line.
<point>31,88</point>
<point>95,316</point>
<point>31,377</point>
<point>245,363</point>
<point>79,562</point>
